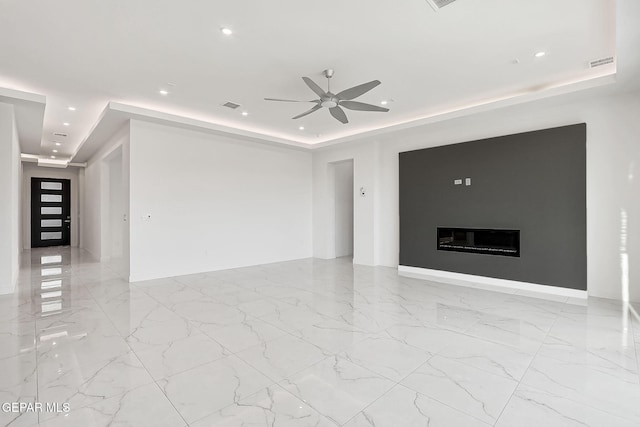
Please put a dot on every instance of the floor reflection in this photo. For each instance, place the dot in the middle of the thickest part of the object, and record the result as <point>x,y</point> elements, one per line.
<point>294,335</point>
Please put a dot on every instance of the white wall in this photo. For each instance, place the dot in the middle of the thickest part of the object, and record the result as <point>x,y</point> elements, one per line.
<point>32,170</point>
<point>97,217</point>
<point>10,187</point>
<point>214,202</point>
<point>364,159</point>
<point>343,191</point>
<point>90,236</point>
<point>115,206</point>
<point>16,195</point>
<point>613,174</point>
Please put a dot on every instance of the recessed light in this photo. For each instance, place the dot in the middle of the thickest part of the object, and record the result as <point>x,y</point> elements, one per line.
<point>66,124</point>
<point>226,31</point>
<point>384,102</point>
<point>244,113</point>
<point>301,128</point>
<point>53,157</point>
<point>58,144</point>
<point>72,108</point>
<point>164,92</point>
<point>55,151</point>
<point>540,54</point>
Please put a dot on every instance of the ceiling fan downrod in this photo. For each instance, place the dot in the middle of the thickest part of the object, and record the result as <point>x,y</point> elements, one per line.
<point>328,73</point>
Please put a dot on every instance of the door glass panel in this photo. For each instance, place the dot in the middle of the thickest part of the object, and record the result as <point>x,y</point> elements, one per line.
<point>51,186</point>
<point>46,210</point>
<point>51,235</point>
<point>51,198</point>
<point>50,223</point>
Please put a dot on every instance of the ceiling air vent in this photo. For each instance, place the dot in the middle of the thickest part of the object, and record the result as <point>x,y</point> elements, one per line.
<point>231,105</point>
<point>60,134</point>
<point>599,62</point>
<point>439,4</point>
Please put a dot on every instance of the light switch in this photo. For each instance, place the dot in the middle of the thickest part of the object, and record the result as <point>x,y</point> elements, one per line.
<point>457,182</point>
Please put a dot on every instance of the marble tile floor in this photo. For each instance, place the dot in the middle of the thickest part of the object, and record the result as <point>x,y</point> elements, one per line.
<point>307,343</point>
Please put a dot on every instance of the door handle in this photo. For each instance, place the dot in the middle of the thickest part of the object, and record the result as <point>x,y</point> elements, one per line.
<point>67,220</point>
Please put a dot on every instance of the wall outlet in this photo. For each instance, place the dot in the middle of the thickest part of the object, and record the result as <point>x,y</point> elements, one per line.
<point>457,182</point>
<point>467,181</point>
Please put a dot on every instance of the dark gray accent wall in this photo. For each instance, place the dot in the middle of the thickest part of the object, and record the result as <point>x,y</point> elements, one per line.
<point>534,182</point>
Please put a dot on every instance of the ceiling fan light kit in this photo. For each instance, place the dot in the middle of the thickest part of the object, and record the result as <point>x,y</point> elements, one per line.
<point>334,102</point>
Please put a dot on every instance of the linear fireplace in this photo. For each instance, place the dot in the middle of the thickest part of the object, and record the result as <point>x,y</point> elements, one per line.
<point>479,241</point>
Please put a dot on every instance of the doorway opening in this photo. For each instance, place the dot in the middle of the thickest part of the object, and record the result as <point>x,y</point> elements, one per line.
<point>50,212</point>
<point>113,211</point>
<point>343,208</point>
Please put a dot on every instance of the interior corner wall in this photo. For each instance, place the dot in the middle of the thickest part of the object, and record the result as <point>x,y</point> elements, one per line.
<point>115,207</point>
<point>96,217</point>
<point>31,170</point>
<point>343,174</point>
<point>10,187</point>
<point>203,202</point>
<point>613,179</point>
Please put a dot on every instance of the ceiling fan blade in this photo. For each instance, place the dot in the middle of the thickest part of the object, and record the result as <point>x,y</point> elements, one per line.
<point>338,114</point>
<point>356,91</point>
<point>314,87</point>
<point>361,106</point>
<point>314,108</point>
<point>285,100</point>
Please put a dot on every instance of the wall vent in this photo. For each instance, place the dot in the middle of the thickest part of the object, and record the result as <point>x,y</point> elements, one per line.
<point>599,62</point>
<point>231,105</point>
<point>60,134</point>
<point>439,4</point>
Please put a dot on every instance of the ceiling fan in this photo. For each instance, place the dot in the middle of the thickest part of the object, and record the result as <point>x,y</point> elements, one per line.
<point>334,101</point>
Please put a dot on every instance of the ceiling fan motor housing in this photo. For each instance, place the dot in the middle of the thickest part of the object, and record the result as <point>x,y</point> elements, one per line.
<point>329,102</point>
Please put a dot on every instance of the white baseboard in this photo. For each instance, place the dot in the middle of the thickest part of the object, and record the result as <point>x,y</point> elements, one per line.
<point>6,290</point>
<point>490,283</point>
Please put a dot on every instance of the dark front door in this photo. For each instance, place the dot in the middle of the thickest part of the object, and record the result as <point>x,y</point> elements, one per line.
<point>50,212</point>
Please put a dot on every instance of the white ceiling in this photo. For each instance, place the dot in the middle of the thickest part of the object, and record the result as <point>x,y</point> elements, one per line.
<point>87,53</point>
<point>29,114</point>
